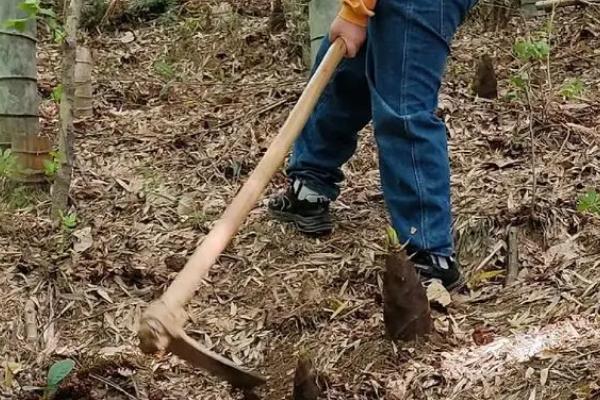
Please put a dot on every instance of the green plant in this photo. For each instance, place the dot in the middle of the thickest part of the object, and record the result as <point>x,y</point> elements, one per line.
<point>164,69</point>
<point>69,221</point>
<point>56,374</point>
<point>8,164</point>
<point>19,197</point>
<point>530,50</point>
<point>572,88</point>
<point>392,237</point>
<point>52,166</point>
<point>589,203</point>
<point>57,93</point>
<point>519,83</point>
<point>33,10</point>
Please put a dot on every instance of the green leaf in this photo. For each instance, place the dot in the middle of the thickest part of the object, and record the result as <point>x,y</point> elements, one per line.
<point>57,93</point>
<point>58,372</point>
<point>8,163</point>
<point>164,69</point>
<point>519,81</point>
<point>59,35</point>
<point>392,236</point>
<point>16,24</point>
<point>572,88</point>
<point>58,32</point>
<point>69,221</point>
<point>589,203</point>
<point>50,168</point>
<point>47,12</point>
<point>58,156</point>
<point>30,7</point>
<point>484,276</point>
<point>528,50</point>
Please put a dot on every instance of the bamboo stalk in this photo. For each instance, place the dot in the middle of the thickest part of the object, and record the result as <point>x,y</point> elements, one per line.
<point>62,183</point>
<point>18,76</point>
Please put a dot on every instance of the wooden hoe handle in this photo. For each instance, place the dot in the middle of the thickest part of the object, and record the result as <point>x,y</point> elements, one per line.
<point>168,311</point>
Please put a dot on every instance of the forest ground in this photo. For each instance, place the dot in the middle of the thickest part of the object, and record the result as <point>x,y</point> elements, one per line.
<point>185,107</point>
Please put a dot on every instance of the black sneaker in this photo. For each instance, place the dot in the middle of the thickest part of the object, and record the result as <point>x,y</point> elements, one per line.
<point>307,209</point>
<point>444,269</point>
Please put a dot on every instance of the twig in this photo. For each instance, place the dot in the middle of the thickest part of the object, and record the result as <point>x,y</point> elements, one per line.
<point>562,146</point>
<point>564,3</point>
<point>10,253</point>
<point>547,96</point>
<point>550,28</point>
<point>256,114</point>
<point>495,250</point>
<point>241,116</point>
<point>109,10</point>
<point>512,265</point>
<point>590,288</point>
<point>60,314</point>
<point>532,139</point>
<point>114,386</point>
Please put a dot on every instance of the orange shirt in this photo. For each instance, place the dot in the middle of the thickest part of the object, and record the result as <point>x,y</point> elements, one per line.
<point>357,11</point>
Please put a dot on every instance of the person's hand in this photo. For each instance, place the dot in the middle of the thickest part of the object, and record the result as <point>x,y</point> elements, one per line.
<point>354,35</point>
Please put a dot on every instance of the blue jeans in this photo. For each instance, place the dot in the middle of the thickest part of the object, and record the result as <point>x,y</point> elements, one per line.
<point>394,81</point>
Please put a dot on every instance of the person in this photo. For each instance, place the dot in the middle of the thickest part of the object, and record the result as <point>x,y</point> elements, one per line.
<point>396,53</point>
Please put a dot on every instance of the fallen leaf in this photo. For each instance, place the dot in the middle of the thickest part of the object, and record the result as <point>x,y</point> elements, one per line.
<point>309,292</point>
<point>500,163</point>
<point>102,293</point>
<point>441,325</point>
<point>483,335</point>
<point>529,373</point>
<point>339,309</point>
<point>110,351</point>
<point>565,252</point>
<point>10,370</point>
<point>437,293</point>
<point>544,376</point>
<point>175,262</point>
<point>125,372</point>
<point>83,239</point>
<point>128,37</point>
<point>581,128</point>
<point>486,276</point>
<point>51,338</point>
<point>185,206</point>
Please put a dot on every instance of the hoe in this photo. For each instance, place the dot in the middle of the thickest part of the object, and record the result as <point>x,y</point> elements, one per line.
<point>161,326</point>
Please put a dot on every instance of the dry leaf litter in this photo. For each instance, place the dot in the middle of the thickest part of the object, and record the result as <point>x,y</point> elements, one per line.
<point>184,110</point>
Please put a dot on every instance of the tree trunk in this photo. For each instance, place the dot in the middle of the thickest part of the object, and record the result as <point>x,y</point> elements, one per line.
<point>62,182</point>
<point>321,14</point>
<point>18,76</point>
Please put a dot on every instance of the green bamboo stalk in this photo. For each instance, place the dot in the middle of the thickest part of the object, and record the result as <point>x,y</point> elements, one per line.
<point>18,75</point>
<point>321,15</point>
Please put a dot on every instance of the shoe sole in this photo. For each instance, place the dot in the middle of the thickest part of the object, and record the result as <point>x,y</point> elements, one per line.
<point>453,287</point>
<point>316,225</point>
